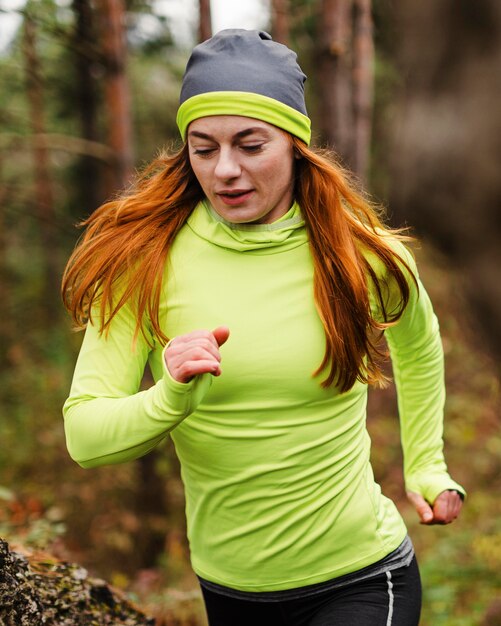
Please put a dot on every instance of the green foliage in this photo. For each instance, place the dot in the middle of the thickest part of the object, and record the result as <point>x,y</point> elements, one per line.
<point>462,576</point>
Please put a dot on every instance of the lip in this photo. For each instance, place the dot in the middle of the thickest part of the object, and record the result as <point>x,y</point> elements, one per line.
<point>232,200</point>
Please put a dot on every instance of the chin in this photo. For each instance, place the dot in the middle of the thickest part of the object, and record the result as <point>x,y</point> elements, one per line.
<point>239,216</point>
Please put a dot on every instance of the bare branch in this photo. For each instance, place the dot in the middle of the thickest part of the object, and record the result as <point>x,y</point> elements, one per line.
<point>56,141</point>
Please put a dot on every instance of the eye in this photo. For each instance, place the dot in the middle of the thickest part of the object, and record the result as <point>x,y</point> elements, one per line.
<point>203,152</point>
<point>252,147</point>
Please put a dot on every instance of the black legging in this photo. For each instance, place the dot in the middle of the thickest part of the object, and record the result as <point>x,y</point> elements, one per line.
<point>389,599</point>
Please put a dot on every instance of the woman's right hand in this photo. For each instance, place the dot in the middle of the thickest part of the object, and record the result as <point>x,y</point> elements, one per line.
<point>195,353</point>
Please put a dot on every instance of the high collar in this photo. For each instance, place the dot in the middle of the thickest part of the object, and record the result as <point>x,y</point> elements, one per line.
<point>284,234</point>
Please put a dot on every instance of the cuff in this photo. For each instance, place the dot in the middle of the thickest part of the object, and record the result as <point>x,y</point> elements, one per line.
<point>183,398</point>
<point>430,486</point>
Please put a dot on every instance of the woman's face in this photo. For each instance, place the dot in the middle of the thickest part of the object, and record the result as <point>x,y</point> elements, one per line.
<point>244,166</point>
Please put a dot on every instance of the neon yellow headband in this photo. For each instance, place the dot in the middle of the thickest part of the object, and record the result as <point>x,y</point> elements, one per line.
<point>246,104</point>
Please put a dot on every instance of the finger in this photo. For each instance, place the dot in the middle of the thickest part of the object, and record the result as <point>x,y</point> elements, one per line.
<point>180,364</point>
<point>196,353</point>
<point>221,334</point>
<point>442,508</point>
<point>447,507</point>
<point>458,505</point>
<point>193,336</point>
<point>189,369</point>
<point>422,507</point>
<point>200,345</point>
<point>455,504</point>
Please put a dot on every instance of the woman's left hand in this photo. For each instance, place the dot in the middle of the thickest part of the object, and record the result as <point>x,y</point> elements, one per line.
<point>445,509</point>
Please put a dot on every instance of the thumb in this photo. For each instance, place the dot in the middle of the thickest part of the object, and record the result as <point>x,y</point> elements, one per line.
<point>221,334</point>
<point>422,507</point>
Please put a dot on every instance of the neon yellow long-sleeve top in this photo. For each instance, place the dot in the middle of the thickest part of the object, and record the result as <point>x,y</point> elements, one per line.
<point>279,488</point>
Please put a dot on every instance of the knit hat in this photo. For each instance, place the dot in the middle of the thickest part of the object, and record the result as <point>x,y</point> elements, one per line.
<point>245,72</point>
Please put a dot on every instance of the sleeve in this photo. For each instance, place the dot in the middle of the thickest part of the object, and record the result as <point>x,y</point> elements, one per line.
<point>418,367</point>
<point>107,420</point>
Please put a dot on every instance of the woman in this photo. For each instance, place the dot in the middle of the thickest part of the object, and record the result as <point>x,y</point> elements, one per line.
<point>247,231</point>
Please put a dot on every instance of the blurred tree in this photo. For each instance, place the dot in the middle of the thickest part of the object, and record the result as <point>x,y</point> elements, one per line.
<point>334,53</point>
<point>280,21</point>
<point>117,91</point>
<point>87,98</point>
<point>334,39</point>
<point>446,152</point>
<point>44,196</point>
<point>151,509</point>
<point>204,21</point>
<point>363,85</point>
<point>345,53</point>
<point>6,330</point>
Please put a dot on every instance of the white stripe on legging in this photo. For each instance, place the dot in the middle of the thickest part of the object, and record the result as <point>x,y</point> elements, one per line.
<point>390,599</point>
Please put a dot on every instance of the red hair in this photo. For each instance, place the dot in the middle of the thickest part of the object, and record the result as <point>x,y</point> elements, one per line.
<point>127,240</point>
<point>130,237</point>
<point>345,234</point>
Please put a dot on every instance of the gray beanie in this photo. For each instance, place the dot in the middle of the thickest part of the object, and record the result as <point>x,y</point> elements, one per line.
<point>245,72</point>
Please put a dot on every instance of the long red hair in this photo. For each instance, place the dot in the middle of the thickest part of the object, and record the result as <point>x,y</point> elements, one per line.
<point>127,242</point>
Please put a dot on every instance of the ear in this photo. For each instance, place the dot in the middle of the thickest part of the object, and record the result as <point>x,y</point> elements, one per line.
<point>297,155</point>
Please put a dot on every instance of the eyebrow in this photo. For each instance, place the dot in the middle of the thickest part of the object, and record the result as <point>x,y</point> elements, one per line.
<point>240,135</point>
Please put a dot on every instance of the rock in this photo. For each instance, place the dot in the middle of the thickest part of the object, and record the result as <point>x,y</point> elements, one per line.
<point>38,590</point>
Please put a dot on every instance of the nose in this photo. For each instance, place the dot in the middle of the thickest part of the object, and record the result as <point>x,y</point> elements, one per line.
<point>227,165</point>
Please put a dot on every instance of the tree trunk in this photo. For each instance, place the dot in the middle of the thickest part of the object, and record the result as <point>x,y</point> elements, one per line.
<point>6,318</point>
<point>151,507</point>
<point>44,198</point>
<point>446,149</point>
<point>86,54</point>
<point>363,86</point>
<point>335,74</point>
<point>117,92</point>
<point>205,22</point>
<point>280,21</point>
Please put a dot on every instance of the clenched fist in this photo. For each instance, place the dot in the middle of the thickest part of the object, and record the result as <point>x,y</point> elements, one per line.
<point>444,510</point>
<point>195,353</point>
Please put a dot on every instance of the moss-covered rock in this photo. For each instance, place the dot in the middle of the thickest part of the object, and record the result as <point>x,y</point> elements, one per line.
<point>38,590</point>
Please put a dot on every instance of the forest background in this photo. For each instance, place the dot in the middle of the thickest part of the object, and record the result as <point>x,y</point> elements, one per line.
<point>408,95</point>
